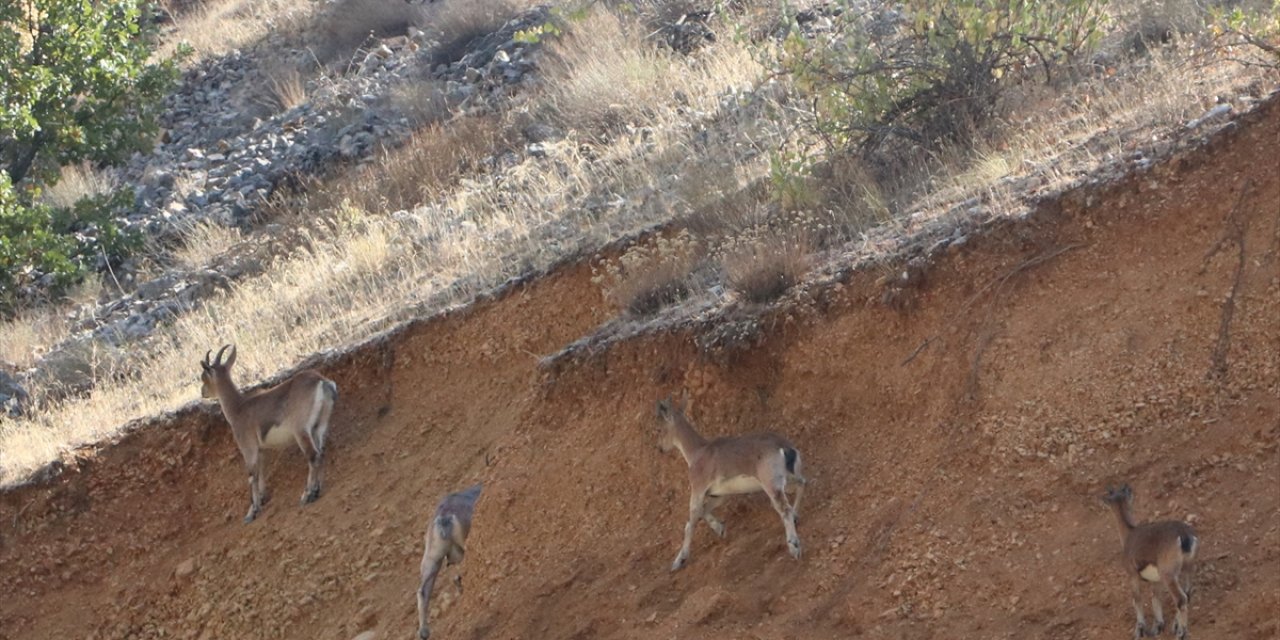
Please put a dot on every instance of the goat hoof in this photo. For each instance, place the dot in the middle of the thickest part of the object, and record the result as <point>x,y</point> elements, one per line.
<point>678,564</point>
<point>718,529</point>
<point>1156,630</point>
<point>424,633</point>
<point>793,546</point>
<point>250,517</point>
<point>309,497</point>
<point>1139,632</point>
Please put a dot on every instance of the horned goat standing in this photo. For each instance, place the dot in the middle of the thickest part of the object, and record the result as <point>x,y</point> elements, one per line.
<point>731,465</point>
<point>1155,552</point>
<point>446,543</point>
<point>294,411</point>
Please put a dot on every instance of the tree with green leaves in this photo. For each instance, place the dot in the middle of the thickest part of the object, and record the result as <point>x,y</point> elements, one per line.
<point>77,84</point>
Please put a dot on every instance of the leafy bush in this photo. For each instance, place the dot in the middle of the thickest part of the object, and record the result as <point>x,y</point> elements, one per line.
<point>1254,26</point>
<point>76,85</point>
<point>929,72</point>
<point>44,249</point>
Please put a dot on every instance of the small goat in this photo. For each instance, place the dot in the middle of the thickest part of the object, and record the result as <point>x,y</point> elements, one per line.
<point>1155,552</point>
<point>446,543</point>
<point>731,465</point>
<point>294,411</point>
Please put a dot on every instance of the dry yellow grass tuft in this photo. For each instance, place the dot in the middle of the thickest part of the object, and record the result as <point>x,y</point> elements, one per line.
<point>77,181</point>
<point>286,87</point>
<point>608,77</point>
<point>650,276</point>
<point>202,242</point>
<point>25,337</point>
<point>217,27</point>
<point>761,269</point>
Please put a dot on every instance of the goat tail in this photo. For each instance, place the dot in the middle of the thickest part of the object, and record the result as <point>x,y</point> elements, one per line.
<point>1190,544</point>
<point>444,527</point>
<point>790,456</point>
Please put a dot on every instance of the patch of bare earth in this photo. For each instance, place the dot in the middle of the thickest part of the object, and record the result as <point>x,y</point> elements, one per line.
<point>957,440</point>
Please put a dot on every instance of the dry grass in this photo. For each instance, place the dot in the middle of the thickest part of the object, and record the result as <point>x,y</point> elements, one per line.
<point>217,27</point>
<point>425,168</point>
<point>202,242</point>
<point>347,25</point>
<point>422,101</point>
<point>452,26</point>
<point>609,76</point>
<point>24,337</point>
<point>650,276</point>
<point>1051,142</point>
<point>77,181</point>
<point>286,87</point>
<point>760,268</point>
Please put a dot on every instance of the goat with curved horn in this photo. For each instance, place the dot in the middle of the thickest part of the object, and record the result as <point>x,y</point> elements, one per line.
<point>296,411</point>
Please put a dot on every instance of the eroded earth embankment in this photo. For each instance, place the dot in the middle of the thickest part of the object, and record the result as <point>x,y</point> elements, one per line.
<point>957,440</point>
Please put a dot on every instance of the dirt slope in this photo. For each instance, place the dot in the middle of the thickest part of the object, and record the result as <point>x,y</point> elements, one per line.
<point>1131,333</point>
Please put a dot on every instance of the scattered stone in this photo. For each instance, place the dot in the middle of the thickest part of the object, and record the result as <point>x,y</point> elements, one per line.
<point>12,395</point>
<point>185,569</point>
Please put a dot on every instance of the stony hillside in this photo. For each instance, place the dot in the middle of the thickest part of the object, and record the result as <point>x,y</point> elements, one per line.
<point>958,425</point>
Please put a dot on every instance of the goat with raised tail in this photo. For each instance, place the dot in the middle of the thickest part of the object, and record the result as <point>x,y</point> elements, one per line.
<point>446,543</point>
<point>732,465</point>
<point>1155,552</point>
<point>294,411</point>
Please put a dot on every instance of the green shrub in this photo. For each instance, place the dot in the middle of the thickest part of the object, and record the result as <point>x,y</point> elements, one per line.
<point>926,72</point>
<point>77,84</point>
<point>44,250</point>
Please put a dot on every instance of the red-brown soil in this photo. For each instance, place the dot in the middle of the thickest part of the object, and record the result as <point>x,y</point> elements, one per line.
<point>954,493</point>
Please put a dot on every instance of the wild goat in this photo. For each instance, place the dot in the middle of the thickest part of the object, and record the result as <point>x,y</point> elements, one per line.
<point>1155,552</point>
<point>731,465</point>
<point>294,411</point>
<point>445,545</point>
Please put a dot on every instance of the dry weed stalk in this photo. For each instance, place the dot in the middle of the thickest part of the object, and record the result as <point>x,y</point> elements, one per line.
<point>650,276</point>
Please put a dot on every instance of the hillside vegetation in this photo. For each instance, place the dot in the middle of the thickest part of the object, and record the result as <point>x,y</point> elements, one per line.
<point>331,169</point>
